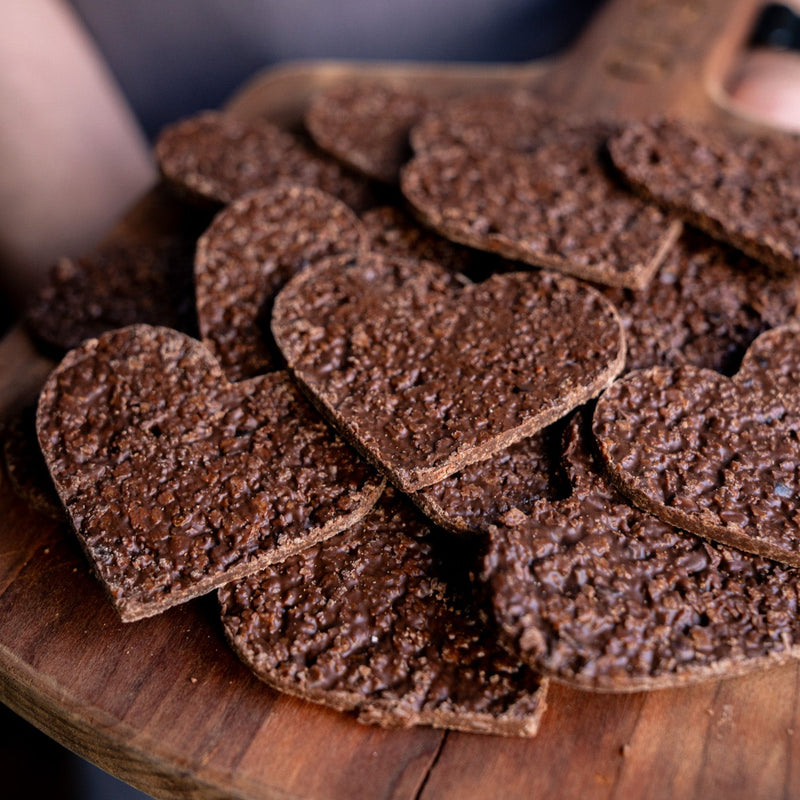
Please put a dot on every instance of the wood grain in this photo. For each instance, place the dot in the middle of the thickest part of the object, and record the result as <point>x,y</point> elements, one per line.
<point>164,704</point>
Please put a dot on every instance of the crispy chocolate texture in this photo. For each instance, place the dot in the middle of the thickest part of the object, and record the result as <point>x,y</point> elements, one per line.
<point>119,285</point>
<point>717,456</point>
<point>177,481</point>
<point>481,494</point>
<point>381,620</point>
<point>214,157</point>
<point>247,254</point>
<point>25,466</point>
<point>517,119</point>
<point>425,372</point>
<point>390,230</point>
<point>742,189</point>
<point>365,124</point>
<point>555,205</point>
<point>704,306</point>
<point>594,592</point>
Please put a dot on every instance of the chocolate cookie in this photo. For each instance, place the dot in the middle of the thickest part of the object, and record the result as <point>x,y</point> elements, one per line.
<point>381,620</point>
<point>704,306</point>
<point>25,467</point>
<point>116,286</point>
<point>511,481</point>
<point>555,206</point>
<point>515,119</point>
<point>742,189</point>
<point>594,592</point>
<point>426,373</point>
<point>177,481</point>
<point>365,124</point>
<point>391,230</point>
<point>250,250</point>
<point>714,455</point>
<point>213,157</point>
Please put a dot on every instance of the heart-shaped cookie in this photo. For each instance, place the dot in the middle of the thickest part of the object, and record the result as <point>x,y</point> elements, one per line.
<point>704,306</point>
<point>714,455</point>
<point>383,620</point>
<point>177,481</point>
<point>252,247</point>
<point>741,188</point>
<point>365,123</point>
<point>425,372</point>
<point>115,286</point>
<point>213,158</point>
<point>554,204</point>
<point>592,591</point>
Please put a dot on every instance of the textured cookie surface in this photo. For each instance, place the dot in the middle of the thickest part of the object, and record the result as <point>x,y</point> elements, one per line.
<point>249,251</point>
<point>216,158</point>
<point>742,189</point>
<point>594,592</point>
<point>365,124</point>
<point>554,206</point>
<point>481,494</point>
<point>514,118</point>
<point>715,455</point>
<point>381,620</point>
<point>390,230</point>
<point>25,467</point>
<point>426,373</point>
<point>117,286</point>
<point>704,306</point>
<point>177,481</point>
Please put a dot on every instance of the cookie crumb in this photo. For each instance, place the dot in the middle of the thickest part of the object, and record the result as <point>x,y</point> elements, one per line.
<point>513,517</point>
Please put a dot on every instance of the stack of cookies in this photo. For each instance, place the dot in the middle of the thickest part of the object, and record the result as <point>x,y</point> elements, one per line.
<point>473,394</point>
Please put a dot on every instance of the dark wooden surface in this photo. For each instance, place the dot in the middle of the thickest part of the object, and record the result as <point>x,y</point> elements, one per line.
<point>164,704</point>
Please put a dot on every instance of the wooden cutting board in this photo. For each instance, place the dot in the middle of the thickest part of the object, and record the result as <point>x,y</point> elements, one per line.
<point>164,704</point>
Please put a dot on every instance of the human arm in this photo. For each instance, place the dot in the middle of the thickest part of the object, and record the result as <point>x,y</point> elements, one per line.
<point>73,155</point>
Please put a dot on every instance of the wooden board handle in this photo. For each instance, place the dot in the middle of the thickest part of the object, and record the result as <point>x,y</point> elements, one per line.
<point>636,57</point>
<point>640,57</point>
